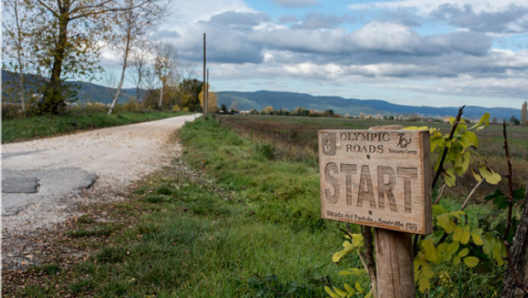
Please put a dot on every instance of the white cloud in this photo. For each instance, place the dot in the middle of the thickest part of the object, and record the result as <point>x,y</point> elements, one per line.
<point>427,6</point>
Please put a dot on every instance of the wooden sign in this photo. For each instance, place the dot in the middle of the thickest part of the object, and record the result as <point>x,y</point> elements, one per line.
<point>378,178</point>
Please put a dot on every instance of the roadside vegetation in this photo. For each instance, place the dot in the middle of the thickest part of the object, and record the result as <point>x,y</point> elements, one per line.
<point>80,119</point>
<point>238,216</point>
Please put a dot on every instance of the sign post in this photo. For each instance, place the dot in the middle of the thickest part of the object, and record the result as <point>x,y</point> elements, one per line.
<point>381,179</point>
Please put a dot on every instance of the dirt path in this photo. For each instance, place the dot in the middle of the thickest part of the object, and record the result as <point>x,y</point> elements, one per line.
<point>43,180</point>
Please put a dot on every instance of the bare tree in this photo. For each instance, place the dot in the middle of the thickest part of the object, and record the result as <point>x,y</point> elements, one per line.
<point>166,67</point>
<point>140,54</point>
<point>16,43</point>
<point>132,24</point>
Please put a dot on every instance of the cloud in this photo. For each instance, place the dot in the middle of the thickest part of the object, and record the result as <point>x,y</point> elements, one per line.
<point>514,19</point>
<point>315,20</point>
<point>296,3</point>
<point>165,34</point>
<point>289,18</point>
<point>242,19</point>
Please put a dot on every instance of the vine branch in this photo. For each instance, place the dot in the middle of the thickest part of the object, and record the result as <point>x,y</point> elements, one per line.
<point>510,211</point>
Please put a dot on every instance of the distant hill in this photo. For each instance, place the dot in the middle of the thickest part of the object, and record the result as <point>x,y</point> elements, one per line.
<point>87,92</point>
<point>278,100</point>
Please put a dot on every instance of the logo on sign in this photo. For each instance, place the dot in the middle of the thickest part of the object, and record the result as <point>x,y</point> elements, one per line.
<point>403,142</point>
<point>329,144</point>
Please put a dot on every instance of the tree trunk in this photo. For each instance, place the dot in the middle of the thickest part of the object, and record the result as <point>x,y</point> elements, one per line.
<point>161,97</point>
<point>52,100</point>
<point>19,38</point>
<point>125,60</point>
<point>519,258</point>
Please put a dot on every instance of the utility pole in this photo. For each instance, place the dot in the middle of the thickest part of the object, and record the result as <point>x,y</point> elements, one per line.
<point>204,84</point>
<point>207,92</point>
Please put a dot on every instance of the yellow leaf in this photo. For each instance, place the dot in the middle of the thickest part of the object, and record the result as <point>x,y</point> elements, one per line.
<point>456,260</point>
<point>452,248</point>
<point>352,271</point>
<point>471,261</point>
<point>428,273</point>
<point>349,289</point>
<point>359,288</point>
<point>369,295</point>
<point>490,176</point>
<point>476,176</point>
<point>484,121</point>
<point>437,210</point>
<point>424,284</point>
<point>463,252</point>
<point>464,239</point>
<point>358,240</point>
<point>445,222</point>
<point>416,128</point>
<point>477,239</point>
<point>457,234</point>
<point>330,292</point>
<point>340,292</point>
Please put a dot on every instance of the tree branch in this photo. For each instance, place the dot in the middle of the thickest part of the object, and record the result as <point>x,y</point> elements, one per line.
<point>48,8</point>
<point>453,128</point>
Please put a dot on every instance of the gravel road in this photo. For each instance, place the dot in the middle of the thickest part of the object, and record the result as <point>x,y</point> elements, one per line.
<point>43,180</point>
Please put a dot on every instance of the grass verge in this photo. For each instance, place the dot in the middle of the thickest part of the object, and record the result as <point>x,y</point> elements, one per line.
<point>250,228</point>
<point>24,129</point>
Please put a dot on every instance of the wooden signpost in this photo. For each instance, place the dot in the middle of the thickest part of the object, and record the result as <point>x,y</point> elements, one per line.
<point>380,178</point>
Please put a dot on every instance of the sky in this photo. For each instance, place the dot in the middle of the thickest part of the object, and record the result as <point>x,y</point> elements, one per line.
<point>411,52</point>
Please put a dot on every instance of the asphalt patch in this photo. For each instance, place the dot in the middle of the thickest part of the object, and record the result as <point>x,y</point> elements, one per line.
<point>20,185</point>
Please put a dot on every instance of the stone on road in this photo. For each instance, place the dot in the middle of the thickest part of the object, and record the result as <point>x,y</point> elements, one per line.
<point>43,180</point>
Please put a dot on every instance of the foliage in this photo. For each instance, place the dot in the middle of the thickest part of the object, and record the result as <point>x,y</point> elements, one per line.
<point>462,241</point>
<point>212,105</point>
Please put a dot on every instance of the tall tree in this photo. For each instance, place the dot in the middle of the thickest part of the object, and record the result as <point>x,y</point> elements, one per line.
<point>524,114</point>
<point>131,25</point>
<point>140,55</point>
<point>67,38</point>
<point>166,68</point>
<point>16,44</point>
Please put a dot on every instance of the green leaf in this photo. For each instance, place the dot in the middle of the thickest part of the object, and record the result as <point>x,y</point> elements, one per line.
<point>489,241</point>
<point>471,261</point>
<point>437,210</point>
<point>518,194</point>
<point>496,193</point>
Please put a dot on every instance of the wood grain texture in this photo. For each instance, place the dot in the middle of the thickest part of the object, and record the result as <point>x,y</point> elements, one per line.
<point>378,178</point>
<point>394,264</point>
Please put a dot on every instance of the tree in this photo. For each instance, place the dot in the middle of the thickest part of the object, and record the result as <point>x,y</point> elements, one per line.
<point>132,23</point>
<point>166,67</point>
<point>514,120</point>
<point>139,56</point>
<point>212,106</point>
<point>495,120</point>
<point>16,44</point>
<point>524,114</point>
<point>189,90</point>
<point>66,37</point>
<point>268,110</point>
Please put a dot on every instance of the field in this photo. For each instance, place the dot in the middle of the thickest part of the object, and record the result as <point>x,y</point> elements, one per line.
<point>236,216</point>
<point>295,139</point>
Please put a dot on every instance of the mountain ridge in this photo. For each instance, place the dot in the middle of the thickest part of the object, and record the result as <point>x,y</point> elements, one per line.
<point>353,106</point>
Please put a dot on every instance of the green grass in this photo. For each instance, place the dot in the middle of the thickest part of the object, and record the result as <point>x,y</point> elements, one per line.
<point>254,232</point>
<point>24,129</point>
